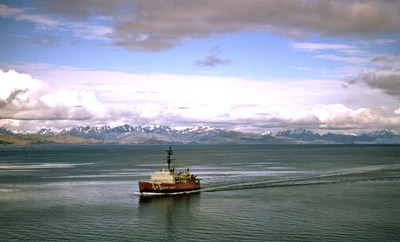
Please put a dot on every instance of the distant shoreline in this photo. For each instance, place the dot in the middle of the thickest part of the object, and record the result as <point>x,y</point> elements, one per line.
<point>127,134</point>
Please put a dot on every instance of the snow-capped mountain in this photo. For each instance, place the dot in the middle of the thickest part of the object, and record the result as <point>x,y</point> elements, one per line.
<point>46,132</point>
<point>379,137</point>
<point>153,133</point>
<point>301,134</point>
<point>6,131</point>
<point>380,134</point>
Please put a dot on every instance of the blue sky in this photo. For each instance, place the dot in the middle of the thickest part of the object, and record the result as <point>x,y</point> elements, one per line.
<point>327,66</point>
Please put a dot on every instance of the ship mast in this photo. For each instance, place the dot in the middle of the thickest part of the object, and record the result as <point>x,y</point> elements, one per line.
<point>169,152</point>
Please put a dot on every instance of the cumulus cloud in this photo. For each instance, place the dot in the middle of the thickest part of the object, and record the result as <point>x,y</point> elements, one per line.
<point>237,103</point>
<point>385,76</point>
<point>339,116</point>
<point>177,100</point>
<point>162,24</point>
<point>25,98</point>
<point>389,84</point>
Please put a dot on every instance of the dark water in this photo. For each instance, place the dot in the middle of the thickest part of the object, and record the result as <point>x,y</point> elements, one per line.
<point>249,193</point>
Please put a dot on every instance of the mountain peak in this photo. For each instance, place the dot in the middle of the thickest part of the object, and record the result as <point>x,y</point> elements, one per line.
<point>267,133</point>
<point>379,133</point>
<point>46,132</point>
<point>203,129</point>
<point>155,133</point>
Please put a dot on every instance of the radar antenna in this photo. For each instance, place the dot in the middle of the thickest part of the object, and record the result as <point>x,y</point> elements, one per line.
<point>169,152</point>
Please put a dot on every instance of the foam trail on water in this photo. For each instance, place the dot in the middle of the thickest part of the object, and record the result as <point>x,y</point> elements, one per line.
<point>150,194</point>
<point>346,175</point>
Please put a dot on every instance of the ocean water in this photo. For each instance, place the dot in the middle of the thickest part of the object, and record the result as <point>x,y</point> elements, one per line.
<point>249,193</point>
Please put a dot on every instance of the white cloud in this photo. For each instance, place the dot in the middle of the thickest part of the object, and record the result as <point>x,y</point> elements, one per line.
<point>25,98</point>
<point>20,15</point>
<point>354,62</point>
<point>321,46</point>
<point>37,19</point>
<point>337,115</point>
<point>12,81</point>
<point>85,30</point>
<point>105,97</point>
<point>90,31</point>
<point>384,41</point>
<point>397,111</point>
<point>6,12</point>
<point>348,59</point>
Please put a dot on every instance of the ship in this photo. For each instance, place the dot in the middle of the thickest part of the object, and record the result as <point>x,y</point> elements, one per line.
<point>169,181</point>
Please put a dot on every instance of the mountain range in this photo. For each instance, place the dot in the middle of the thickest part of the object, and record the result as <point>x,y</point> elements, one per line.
<point>157,134</point>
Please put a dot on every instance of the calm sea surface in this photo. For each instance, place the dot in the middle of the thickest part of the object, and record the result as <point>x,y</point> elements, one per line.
<point>249,193</point>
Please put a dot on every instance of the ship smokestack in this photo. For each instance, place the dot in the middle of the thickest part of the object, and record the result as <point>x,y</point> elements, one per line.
<point>169,152</point>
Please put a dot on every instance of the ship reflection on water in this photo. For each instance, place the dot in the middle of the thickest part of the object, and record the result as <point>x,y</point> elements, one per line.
<point>166,201</point>
<point>170,214</point>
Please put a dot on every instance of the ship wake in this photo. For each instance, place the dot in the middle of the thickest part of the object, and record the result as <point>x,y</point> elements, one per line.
<point>155,194</point>
<point>360,174</point>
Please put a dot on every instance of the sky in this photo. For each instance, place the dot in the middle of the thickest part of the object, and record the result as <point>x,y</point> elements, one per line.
<point>252,66</point>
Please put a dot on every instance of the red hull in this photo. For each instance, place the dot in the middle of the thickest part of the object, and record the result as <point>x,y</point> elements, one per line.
<point>168,188</point>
